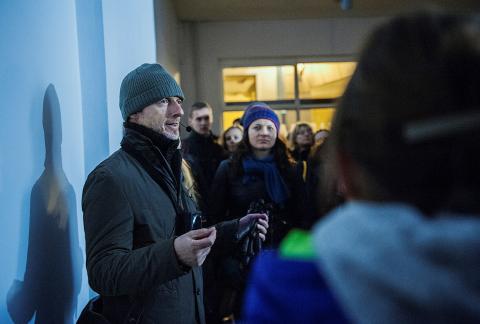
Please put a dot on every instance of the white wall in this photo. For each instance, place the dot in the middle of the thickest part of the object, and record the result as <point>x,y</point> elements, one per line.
<point>39,49</point>
<point>167,37</point>
<point>61,65</point>
<point>129,30</point>
<point>188,63</point>
<point>217,42</point>
<point>174,48</point>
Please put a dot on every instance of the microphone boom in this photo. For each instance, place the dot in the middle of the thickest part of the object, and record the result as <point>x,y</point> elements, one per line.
<point>187,128</point>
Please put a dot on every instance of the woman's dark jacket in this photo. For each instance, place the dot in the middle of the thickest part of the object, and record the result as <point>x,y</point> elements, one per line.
<point>232,197</point>
<point>129,219</point>
<point>300,155</point>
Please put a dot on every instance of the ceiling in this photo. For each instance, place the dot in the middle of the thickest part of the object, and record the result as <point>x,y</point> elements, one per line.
<point>228,10</point>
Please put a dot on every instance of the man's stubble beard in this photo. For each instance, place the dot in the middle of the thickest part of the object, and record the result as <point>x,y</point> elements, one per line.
<point>171,135</point>
<point>159,127</point>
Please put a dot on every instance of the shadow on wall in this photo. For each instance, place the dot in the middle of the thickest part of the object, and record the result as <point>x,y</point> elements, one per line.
<point>52,277</point>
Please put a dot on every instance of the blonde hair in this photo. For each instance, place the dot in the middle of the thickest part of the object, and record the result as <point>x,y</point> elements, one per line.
<point>189,182</point>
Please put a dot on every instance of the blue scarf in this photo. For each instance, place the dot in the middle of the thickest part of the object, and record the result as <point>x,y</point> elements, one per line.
<point>276,188</point>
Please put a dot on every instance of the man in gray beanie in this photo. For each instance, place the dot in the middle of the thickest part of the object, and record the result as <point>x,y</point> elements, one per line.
<point>144,241</point>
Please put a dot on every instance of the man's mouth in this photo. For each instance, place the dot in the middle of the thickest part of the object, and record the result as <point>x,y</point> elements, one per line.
<point>172,124</point>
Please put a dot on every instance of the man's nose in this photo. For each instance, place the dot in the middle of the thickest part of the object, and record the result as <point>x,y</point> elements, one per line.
<point>176,109</point>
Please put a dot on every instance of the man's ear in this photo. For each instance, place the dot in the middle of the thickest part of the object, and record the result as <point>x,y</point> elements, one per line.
<point>133,118</point>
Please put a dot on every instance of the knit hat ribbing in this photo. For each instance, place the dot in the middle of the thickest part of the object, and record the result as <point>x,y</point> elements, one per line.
<point>250,105</point>
<point>144,86</point>
<point>260,112</point>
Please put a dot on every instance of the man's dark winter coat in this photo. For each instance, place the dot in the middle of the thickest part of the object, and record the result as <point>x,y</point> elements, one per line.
<point>129,218</point>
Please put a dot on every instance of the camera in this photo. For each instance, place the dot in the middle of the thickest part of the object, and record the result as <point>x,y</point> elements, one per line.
<point>260,207</point>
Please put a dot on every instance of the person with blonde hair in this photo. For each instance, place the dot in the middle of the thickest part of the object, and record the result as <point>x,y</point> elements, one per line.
<point>301,141</point>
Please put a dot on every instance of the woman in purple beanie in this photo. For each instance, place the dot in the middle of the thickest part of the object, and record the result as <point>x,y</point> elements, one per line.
<point>260,174</point>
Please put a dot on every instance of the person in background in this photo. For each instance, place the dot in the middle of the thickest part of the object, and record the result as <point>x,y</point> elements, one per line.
<point>406,140</point>
<point>247,108</point>
<point>144,243</point>
<point>284,285</point>
<point>324,189</point>
<point>259,171</point>
<point>301,142</point>
<point>320,136</point>
<point>202,151</point>
<point>261,168</point>
<point>236,122</point>
<point>231,138</point>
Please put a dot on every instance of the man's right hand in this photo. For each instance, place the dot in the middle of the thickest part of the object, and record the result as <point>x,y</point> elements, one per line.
<point>193,247</point>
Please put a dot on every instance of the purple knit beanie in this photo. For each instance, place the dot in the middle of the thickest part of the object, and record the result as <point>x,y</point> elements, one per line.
<point>260,112</point>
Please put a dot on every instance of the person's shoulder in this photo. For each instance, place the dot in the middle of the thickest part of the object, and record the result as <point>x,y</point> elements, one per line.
<point>294,168</point>
<point>224,169</point>
<point>186,141</point>
<point>302,283</point>
<point>109,179</point>
<point>220,152</point>
<point>225,164</point>
<point>116,165</point>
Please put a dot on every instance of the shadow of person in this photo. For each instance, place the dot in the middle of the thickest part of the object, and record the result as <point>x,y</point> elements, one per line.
<point>52,277</point>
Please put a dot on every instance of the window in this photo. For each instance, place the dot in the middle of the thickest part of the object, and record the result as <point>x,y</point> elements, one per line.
<point>323,81</point>
<point>304,91</point>
<point>262,83</point>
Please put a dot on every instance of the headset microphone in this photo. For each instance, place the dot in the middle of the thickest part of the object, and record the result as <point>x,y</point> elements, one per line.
<point>187,128</point>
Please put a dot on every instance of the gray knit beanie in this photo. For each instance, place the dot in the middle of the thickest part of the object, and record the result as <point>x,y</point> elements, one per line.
<point>144,86</point>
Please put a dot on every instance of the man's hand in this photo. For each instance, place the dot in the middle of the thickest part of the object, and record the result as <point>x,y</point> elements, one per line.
<point>193,247</point>
<point>262,223</point>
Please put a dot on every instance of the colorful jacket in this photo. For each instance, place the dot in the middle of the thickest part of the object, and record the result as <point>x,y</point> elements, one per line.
<point>286,287</point>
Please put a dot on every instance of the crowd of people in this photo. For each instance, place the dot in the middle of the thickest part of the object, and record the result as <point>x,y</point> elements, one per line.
<point>375,222</point>
<point>248,168</point>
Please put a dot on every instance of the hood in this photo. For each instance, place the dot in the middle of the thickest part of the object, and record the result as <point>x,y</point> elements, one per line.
<point>388,263</point>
